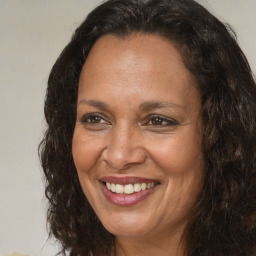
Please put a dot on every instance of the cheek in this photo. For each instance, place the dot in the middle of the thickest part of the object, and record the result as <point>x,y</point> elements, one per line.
<point>85,154</point>
<point>178,153</point>
<point>85,151</point>
<point>180,157</point>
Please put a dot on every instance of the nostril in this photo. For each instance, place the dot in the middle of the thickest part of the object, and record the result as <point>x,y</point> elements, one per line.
<point>123,157</point>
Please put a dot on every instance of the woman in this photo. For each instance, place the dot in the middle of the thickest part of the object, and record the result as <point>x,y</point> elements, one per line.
<point>150,146</point>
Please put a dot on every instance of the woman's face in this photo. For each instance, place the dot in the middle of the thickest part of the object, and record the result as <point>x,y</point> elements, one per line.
<point>137,143</point>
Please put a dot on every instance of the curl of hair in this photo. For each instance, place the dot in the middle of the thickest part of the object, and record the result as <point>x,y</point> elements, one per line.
<point>223,220</point>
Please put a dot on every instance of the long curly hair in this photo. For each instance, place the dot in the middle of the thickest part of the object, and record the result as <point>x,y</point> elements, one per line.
<point>223,219</point>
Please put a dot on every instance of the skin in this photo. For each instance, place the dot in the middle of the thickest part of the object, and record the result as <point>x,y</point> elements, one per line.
<point>125,139</point>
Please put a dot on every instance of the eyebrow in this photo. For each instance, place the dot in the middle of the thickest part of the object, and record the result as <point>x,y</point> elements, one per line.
<point>151,105</point>
<point>94,103</point>
<point>146,106</point>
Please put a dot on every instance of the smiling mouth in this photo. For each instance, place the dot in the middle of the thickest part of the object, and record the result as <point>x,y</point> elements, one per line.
<point>127,191</point>
<point>129,188</point>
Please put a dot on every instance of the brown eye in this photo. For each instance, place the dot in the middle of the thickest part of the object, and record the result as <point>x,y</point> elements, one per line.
<point>157,121</point>
<point>93,119</point>
<point>162,121</point>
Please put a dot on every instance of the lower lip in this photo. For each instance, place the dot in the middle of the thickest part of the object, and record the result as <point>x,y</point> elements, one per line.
<point>124,199</point>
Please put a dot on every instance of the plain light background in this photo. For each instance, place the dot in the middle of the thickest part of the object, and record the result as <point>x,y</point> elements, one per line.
<point>32,34</point>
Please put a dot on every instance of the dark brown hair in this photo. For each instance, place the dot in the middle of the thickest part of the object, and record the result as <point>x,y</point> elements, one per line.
<point>223,220</point>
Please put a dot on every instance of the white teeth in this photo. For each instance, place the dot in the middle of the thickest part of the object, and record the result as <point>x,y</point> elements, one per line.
<point>113,187</point>
<point>119,189</point>
<point>143,186</point>
<point>150,185</point>
<point>129,188</point>
<point>137,187</point>
<point>108,185</point>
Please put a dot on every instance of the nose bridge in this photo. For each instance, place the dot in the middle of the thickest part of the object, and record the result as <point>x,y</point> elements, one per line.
<point>124,147</point>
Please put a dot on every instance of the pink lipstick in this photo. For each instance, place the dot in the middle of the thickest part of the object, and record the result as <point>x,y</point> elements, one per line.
<point>127,191</point>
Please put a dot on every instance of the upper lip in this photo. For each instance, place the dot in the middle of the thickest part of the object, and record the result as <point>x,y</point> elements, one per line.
<point>127,180</point>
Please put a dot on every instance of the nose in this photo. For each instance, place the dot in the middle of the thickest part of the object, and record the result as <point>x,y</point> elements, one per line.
<point>124,148</point>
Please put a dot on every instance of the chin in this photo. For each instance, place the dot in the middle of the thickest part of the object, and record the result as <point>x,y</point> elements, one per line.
<point>127,231</point>
<point>128,226</point>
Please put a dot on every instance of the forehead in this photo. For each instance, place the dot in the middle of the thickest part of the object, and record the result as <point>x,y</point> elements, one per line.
<point>145,65</point>
<point>141,51</point>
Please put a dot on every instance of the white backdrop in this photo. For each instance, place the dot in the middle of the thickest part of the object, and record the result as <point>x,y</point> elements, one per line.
<point>32,34</point>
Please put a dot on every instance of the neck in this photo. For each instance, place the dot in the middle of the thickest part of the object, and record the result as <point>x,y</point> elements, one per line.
<point>160,245</point>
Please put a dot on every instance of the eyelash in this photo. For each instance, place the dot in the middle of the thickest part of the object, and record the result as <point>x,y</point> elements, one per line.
<point>87,119</point>
<point>163,119</point>
<point>84,119</point>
